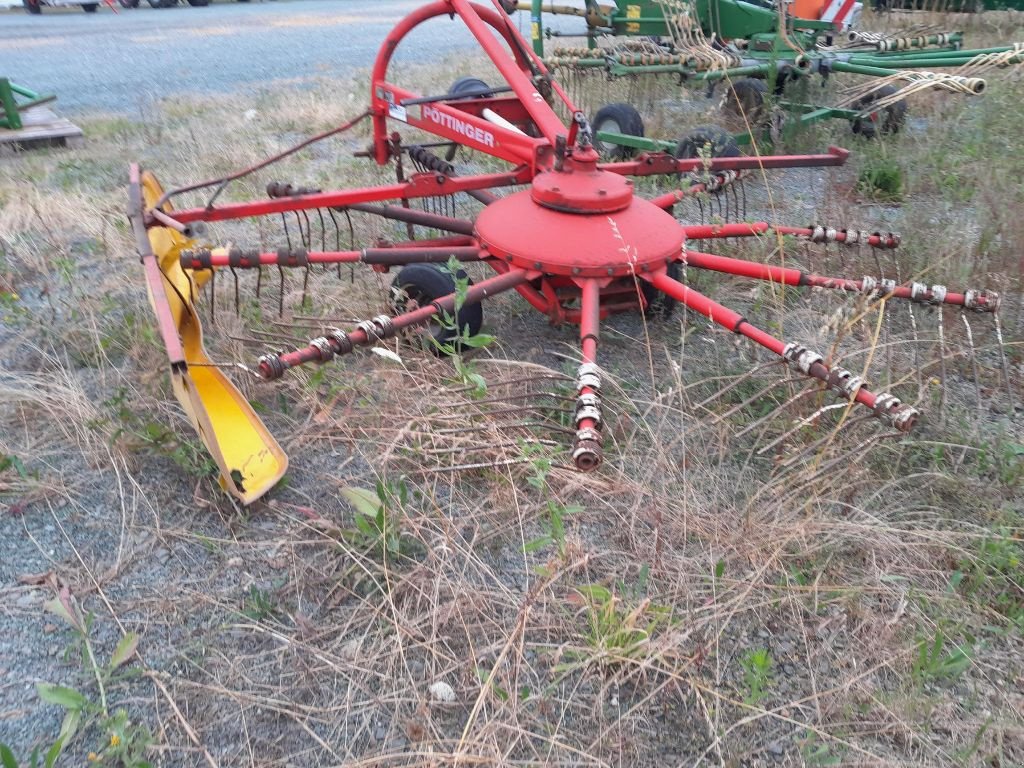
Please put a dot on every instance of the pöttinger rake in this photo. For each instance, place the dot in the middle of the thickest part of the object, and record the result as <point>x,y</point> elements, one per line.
<point>576,241</point>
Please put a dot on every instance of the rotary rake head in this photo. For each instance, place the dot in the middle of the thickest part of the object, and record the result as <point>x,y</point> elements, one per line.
<point>570,234</point>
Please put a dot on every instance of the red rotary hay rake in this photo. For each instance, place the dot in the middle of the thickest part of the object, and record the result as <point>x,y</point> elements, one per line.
<point>577,243</point>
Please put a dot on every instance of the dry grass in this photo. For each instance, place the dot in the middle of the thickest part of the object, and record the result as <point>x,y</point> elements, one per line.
<point>280,635</point>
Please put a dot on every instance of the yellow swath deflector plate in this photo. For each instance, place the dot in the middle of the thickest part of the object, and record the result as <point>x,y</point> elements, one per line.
<point>249,458</point>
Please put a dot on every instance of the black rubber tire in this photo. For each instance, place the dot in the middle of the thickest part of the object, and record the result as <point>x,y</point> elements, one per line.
<point>425,283</point>
<point>162,3</point>
<point>32,6</point>
<point>746,98</point>
<point>617,118</point>
<point>464,84</point>
<point>720,141</point>
<point>886,120</point>
<point>199,3</point>
<point>129,3</point>
<point>90,7</point>
<point>660,306</point>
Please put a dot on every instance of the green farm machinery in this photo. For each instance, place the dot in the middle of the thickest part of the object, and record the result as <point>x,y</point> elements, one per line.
<point>758,50</point>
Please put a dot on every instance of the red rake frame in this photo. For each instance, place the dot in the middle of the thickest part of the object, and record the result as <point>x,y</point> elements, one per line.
<point>576,244</point>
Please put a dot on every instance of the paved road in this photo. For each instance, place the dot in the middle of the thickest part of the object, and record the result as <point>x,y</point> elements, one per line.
<point>111,62</point>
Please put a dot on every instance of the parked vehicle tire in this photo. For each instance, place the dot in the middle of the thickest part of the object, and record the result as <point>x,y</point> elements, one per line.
<point>468,85</point>
<point>709,139</point>
<point>90,7</point>
<point>418,285</point>
<point>32,6</point>
<point>888,119</point>
<point>129,3</point>
<point>199,3</point>
<point>617,118</point>
<point>660,306</point>
<point>745,98</point>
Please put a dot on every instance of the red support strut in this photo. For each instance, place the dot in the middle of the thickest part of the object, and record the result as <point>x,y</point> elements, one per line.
<point>844,383</point>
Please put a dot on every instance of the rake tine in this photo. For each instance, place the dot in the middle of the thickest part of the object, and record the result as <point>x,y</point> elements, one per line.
<point>942,366</point>
<point>820,442</point>
<point>287,234</point>
<point>213,296</point>
<point>805,392</point>
<point>760,393</point>
<point>800,425</point>
<point>735,383</point>
<point>974,363</point>
<point>1002,360</point>
<point>234,275</point>
<point>323,232</point>
<point>280,293</point>
<point>302,232</point>
<point>305,285</point>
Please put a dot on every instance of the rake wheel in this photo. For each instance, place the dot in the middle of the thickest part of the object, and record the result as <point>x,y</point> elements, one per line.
<point>420,285</point>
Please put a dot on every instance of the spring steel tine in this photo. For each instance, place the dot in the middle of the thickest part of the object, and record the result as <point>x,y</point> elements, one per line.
<point>800,425</point>
<point>259,281</point>
<point>234,276</point>
<point>1002,360</point>
<point>323,232</point>
<point>305,285</point>
<point>510,399</point>
<point>485,446</point>
<point>822,441</point>
<point>351,247</point>
<point>514,382</point>
<point>732,385</point>
<point>302,232</point>
<point>506,425</point>
<point>761,393</point>
<point>802,393</point>
<point>916,345</point>
<point>213,295</point>
<point>974,363</point>
<point>287,235</point>
<point>942,366</point>
<point>280,293</point>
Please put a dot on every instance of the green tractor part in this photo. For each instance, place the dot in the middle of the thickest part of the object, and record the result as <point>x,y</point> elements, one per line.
<point>11,108</point>
<point>702,42</point>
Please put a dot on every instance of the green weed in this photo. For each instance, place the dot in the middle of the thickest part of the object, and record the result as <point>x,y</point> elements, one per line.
<point>757,674</point>
<point>933,662</point>
<point>123,743</point>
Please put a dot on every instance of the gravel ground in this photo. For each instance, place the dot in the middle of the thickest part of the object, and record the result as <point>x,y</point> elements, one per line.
<point>260,647</point>
<point>121,62</point>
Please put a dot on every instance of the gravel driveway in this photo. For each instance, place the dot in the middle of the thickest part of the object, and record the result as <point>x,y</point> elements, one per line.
<point>115,62</point>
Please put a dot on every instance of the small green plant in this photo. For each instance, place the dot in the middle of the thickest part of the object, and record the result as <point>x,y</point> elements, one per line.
<point>816,753</point>
<point>259,605</point>
<point>933,662</point>
<point>123,743</point>
<point>459,338</point>
<point>378,519</point>
<point>617,632</point>
<point>993,574</point>
<point>189,455</point>
<point>757,674</point>
<point>554,527</point>
<point>881,179</point>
